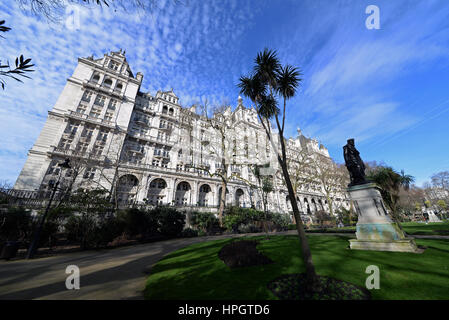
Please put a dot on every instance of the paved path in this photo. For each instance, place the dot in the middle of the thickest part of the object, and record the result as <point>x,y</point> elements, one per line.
<point>105,274</point>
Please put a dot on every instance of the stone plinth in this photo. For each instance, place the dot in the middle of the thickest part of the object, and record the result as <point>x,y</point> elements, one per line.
<point>375,228</point>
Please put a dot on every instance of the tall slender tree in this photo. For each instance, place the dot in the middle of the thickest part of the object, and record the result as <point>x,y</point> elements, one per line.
<point>269,81</point>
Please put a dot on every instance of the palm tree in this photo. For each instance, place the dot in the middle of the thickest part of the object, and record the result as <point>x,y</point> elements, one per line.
<point>283,81</point>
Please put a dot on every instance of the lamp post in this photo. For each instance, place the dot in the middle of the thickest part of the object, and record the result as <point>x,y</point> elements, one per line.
<point>34,244</point>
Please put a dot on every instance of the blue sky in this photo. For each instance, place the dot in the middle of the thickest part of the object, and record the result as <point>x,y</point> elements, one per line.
<point>386,88</point>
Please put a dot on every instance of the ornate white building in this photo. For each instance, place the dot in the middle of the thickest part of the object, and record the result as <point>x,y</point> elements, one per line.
<point>150,149</point>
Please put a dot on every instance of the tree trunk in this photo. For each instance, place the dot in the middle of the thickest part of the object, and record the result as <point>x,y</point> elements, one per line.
<point>222,202</point>
<point>305,248</point>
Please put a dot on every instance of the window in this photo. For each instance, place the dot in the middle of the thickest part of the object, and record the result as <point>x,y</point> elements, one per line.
<point>164,109</point>
<point>98,150</point>
<point>81,109</point>
<point>95,112</point>
<point>119,87</point>
<point>95,78</point>
<point>113,65</point>
<point>87,132</point>
<point>170,112</point>
<point>99,100</point>
<point>71,128</point>
<point>65,143</point>
<point>109,115</point>
<point>102,135</point>
<point>82,147</point>
<point>89,173</point>
<point>155,163</point>
<point>112,104</point>
<point>86,96</point>
<point>53,168</point>
<point>107,83</point>
<point>157,151</point>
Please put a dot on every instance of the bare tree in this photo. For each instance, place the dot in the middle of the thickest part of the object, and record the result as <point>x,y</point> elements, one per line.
<point>217,140</point>
<point>53,10</point>
<point>331,178</point>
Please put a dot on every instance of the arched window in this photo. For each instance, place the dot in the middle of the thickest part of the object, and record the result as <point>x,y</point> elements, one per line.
<point>170,112</point>
<point>95,78</point>
<point>183,186</point>
<point>119,87</point>
<point>164,109</point>
<point>158,183</point>
<point>107,83</point>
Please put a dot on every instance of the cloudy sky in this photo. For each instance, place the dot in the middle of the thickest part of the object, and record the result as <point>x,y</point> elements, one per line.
<point>386,88</point>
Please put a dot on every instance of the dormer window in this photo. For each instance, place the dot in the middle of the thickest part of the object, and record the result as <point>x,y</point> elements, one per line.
<point>113,65</point>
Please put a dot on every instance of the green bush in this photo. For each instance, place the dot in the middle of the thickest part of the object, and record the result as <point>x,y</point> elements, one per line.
<point>344,216</point>
<point>81,229</point>
<point>139,222</point>
<point>106,231</point>
<point>16,224</point>
<point>238,219</point>
<point>171,221</point>
<point>49,232</point>
<point>281,220</point>
<point>91,232</point>
<point>204,221</point>
<point>236,216</point>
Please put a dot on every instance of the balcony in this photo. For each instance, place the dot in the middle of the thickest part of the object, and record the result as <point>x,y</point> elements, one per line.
<point>85,117</point>
<point>73,153</point>
<point>162,155</point>
<point>142,122</point>
<point>104,89</point>
<point>135,149</point>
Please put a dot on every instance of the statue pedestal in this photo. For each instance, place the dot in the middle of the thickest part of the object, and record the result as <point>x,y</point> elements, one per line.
<point>375,228</point>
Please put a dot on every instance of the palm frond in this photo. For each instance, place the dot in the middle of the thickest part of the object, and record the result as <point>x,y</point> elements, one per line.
<point>252,87</point>
<point>288,80</point>
<point>267,107</point>
<point>267,66</point>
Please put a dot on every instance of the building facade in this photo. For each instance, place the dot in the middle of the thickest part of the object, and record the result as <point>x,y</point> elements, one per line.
<point>149,149</point>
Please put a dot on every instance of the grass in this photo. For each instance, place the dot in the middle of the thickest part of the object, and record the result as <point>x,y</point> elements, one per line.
<point>196,272</point>
<point>411,228</point>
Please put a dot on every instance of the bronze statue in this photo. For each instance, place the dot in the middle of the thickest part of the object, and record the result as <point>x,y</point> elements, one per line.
<point>354,163</point>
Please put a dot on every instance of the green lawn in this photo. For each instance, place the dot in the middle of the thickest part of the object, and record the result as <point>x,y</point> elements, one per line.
<point>196,272</point>
<point>411,228</point>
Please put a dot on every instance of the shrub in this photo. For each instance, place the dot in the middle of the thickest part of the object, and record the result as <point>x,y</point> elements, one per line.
<point>16,224</point>
<point>291,226</point>
<point>81,229</point>
<point>171,221</point>
<point>281,221</point>
<point>139,222</point>
<point>249,228</point>
<point>49,232</point>
<point>106,231</point>
<point>204,221</point>
<point>236,216</point>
